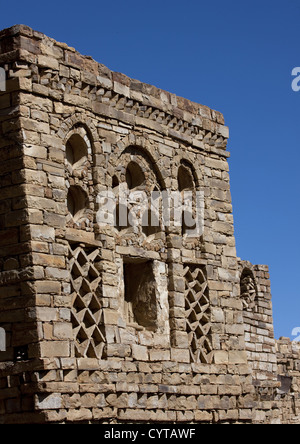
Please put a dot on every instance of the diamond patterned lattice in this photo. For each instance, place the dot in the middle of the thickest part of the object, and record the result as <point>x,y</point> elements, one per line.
<point>197,311</point>
<point>87,315</point>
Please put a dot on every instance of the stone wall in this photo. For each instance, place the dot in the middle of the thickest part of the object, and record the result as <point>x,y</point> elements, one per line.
<point>120,323</point>
<point>259,337</point>
<point>288,359</point>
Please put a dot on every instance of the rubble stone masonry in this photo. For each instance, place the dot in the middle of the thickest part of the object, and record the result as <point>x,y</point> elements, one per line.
<point>117,323</point>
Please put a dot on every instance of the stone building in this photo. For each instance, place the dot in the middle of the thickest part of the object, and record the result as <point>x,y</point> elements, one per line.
<point>121,321</point>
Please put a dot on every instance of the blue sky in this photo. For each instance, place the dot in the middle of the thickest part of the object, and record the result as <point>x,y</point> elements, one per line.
<point>234,56</point>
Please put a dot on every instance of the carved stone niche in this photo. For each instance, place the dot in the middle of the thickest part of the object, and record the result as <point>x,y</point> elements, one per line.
<point>248,289</point>
<point>76,151</point>
<point>77,202</point>
<point>143,299</point>
<point>140,295</point>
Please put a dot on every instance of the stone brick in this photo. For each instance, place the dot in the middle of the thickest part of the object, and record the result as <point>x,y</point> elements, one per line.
<point>62,330</point>
<point>49,402</point>
<point>48,260</point>
<point>46,314</point>
<point>139,352</point>
<point>48,287</point>
<point>159,355</point>
<point>48,62</point>
<point>55,349</point>
<point>42,232</point>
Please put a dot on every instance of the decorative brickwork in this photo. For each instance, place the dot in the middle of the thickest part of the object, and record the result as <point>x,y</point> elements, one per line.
<point>197,313</point>
<point>103,319</point>
<point>86,312</point>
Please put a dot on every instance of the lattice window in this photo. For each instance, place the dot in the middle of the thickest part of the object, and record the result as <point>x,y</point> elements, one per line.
<point>87,315</point>
<point>197,311</point>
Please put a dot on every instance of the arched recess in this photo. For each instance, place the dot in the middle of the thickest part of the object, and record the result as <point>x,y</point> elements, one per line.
<point>79,173</point>
<point>185,178</point>
<point>135,176</point>
<point>77,202</point>
<point>145,161</point>
<point>80,138</point>
<point>187,186</point>
<point>143,284</point>
<point>137,143</point>
<point>136,172</point>
<point>74,123</point>
<point>151,223</point>
<point>190,169</point>
<point>76,151</point>
<point>78,146</point>
<point>248,289</point>
<point>80,141</point>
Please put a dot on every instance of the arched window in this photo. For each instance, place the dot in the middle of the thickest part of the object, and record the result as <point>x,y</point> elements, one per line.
<point>77,202</point>
<point>139,231</point>
<point>79,176</point>
<point>186,185</point>
<point>122,217</point>
<point>134,175</point>
<point>185,178</point>
<point>150,223</point>
<point>115,182</point>
<point>76,151</point>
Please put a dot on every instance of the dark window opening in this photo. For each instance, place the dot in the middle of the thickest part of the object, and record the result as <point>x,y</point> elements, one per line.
<point>185,179</point>
<point>76,150</point>
<point>140,295</point>
<point>122,217</point>
<point>134,175</point>
<point>150,223</point>
<point>76,202</point>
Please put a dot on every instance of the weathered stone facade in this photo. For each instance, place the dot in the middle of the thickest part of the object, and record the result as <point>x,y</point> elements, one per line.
<point>115,323</point>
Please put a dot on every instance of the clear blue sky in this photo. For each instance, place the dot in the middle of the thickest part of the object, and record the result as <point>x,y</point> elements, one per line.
<point>234,56</point>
